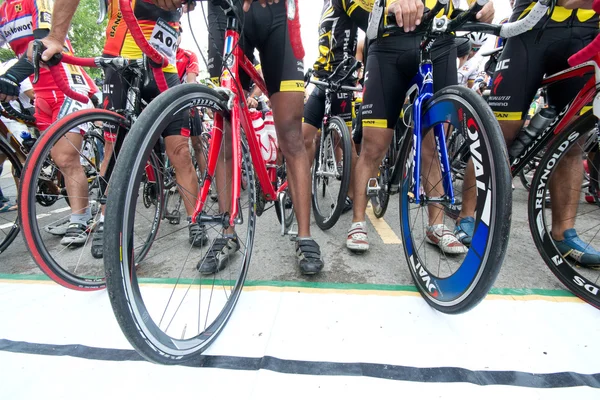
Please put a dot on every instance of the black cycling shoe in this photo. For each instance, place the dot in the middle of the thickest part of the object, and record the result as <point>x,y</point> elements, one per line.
<point>98,241</point>
<point>309,257</point>
<point>198,236</point>
<point>217,256</point>
<point>348,204</point>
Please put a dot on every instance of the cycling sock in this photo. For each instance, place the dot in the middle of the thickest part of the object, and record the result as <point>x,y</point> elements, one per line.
<point>82,218</point>
<point>360,224</point>
<point>101,219</point>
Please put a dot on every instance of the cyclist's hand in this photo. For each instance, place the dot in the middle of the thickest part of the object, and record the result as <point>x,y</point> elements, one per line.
<point>408,13</point>
<point>487,13</point>
<point>252,103</point>
<point>53,47</point>
<point>9,88</point>
<point>248,3</point>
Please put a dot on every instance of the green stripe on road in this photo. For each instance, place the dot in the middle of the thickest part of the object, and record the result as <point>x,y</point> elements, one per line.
<point>315,285</point>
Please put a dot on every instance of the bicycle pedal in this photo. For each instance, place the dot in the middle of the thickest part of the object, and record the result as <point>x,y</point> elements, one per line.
<point>373,187</point>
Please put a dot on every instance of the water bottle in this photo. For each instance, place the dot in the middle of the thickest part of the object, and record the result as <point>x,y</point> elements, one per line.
<point>269,140</point>
<point>259,128</point>
<point>539,122</point>
<point>27,140</point>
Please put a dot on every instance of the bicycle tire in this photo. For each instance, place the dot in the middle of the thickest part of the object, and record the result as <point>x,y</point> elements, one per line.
<point>579,285</point>
<point>471,282</point>
<point>131,313</point>
<point>17,169</point>
<point>27,199</point>
<point>324,221</point>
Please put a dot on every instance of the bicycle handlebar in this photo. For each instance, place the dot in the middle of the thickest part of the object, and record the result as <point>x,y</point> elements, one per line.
<point>464,21</point>
<point>343,87</point>
<point>54,64</point>
<point>336,85</point>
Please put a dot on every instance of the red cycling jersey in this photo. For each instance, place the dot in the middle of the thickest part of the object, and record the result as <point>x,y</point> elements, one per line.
<point>18,20</point>
<point>187,62</point>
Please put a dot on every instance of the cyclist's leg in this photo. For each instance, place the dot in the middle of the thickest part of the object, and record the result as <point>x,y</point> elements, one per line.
<point>177,148</point>
<point>314,109</point>
<point>65,154</point>
<point>565,183</point>
<point>284,76</point>
<point>391,64</point>
<point>518,75</point>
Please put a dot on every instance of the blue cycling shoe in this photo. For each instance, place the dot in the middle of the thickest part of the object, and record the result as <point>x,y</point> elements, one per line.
<point>575,248</point>
<point>464,230</point>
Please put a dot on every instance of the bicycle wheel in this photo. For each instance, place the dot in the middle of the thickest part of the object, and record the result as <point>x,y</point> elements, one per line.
<point>582,279</point>
<point>456,279</point>
<point>331,173</point>
<point>10,173</point>
<point>169,307</point>
<point>44,223</point>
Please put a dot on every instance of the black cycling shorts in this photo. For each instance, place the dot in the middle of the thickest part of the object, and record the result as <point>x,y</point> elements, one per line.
<point>114,97</point>
<point>265,29</point>
<point>314,109</point>
<point>392,63</point>
<point>523,64</point>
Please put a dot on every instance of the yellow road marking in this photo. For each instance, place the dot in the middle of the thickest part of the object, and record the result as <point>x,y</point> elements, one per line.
<point>388,236</point>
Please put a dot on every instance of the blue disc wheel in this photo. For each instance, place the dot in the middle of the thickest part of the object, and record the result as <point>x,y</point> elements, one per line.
<point>454,277</point>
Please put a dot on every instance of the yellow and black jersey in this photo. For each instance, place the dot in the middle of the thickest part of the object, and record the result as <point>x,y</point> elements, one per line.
<point>340,21</point>
<point>560,17</point>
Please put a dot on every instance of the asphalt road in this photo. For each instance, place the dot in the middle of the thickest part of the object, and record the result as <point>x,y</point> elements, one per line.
<point>274,256</point>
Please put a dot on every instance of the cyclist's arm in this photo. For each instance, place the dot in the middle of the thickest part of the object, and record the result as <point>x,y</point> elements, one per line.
<point>191,77</point>
<point>586,4</point>
<point>193,68</point>
<point>358,11</point>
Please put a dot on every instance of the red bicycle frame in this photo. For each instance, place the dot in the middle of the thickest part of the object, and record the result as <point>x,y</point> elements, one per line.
<point>585,95</point>
<point>234,58</point>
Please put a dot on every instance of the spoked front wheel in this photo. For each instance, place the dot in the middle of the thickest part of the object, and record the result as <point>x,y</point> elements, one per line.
<point>61,179</point>
<point>454,278</point>
<point>331,173</point>
<point>173,304</point>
